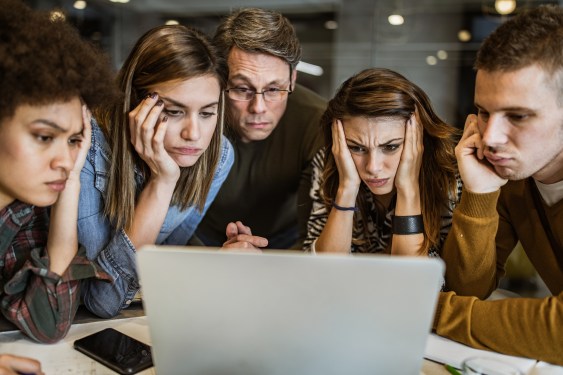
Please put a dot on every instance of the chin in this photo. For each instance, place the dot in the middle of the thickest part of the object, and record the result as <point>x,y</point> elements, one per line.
<point>380,191</point>
<point>511,174</point>
<point>41,201</point>
<point>187,162</point>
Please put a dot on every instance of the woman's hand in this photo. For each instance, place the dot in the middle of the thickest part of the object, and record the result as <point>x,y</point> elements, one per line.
<point>13,365</point>
<point>347,172</point>
<point>408,171</point>
<point>84,145</point>
<point>147,130</point>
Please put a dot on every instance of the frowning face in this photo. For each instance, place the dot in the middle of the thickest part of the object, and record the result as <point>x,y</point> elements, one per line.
<point>38,148</point>
<point>376,145</point>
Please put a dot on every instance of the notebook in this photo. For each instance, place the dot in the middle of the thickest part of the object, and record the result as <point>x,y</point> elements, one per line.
<point>280,312</point>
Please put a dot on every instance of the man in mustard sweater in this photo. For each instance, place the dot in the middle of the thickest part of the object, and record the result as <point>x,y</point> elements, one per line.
<point>511,162</point>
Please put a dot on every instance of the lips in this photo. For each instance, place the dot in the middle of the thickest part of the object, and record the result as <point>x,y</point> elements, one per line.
<point>496,159</point>
<point>58,185</point>
<point>257,125</point>
<point>377,182</point>
<point>187,150</point>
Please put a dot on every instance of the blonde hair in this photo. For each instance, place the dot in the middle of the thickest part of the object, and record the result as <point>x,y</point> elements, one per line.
<point>163,54</point>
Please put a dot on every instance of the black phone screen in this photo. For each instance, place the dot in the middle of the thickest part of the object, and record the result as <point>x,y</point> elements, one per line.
<point>120,352</point>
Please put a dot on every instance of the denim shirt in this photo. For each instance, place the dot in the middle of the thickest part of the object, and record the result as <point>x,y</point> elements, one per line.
<point>112,249</point>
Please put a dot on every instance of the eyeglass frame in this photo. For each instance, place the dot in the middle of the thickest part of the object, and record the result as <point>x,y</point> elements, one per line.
<point>289,90</point>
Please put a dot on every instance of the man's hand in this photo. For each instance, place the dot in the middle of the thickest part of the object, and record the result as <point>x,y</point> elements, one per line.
<point>240,236</point>
<point>477,174</point>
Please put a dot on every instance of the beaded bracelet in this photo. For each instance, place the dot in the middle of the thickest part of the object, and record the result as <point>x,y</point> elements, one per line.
<point>340,208</point>
<point>408,224</point>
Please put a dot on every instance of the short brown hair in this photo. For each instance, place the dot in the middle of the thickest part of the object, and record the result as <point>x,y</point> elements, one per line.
<point>259,30</point>
<point>532,37</point>
<point>44,61</point>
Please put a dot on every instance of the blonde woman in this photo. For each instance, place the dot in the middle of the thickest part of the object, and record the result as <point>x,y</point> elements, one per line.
<point>157,158</point>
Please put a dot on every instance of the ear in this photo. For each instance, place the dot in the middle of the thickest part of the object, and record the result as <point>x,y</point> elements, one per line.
<point>293,77</point>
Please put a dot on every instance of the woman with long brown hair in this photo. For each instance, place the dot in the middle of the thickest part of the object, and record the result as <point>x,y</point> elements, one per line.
<point>386,181</point>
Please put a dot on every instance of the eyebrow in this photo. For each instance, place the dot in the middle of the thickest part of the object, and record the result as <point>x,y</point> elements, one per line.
<point>181,105</point>
<point>56,126</point>
<point>247,80</point>
<point>381,144</point>
<point>391,141</point>
<point>507,109</point>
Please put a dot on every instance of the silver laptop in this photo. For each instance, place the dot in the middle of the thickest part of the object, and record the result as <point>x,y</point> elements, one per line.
<point>214,312</point>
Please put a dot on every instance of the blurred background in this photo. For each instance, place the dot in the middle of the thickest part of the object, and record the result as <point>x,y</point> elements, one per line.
<point>431,42</point>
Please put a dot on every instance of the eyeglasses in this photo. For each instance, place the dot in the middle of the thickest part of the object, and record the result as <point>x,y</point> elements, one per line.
<point>245,95</point>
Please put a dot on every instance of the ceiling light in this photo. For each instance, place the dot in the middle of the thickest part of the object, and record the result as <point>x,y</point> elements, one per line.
<point>396,19</point>
<point>119,1</point>
<point>464,36</point>
<point>331,25</point>
<point>79,4</point>
<point>442,55</point>
<point>172,22</point>
<point>505,6</point>
<point>431,60</point>
<point>311,69</point>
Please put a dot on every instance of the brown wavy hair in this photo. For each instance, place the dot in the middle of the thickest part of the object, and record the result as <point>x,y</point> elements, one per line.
<point>163,54</point>
<point>379,92</point>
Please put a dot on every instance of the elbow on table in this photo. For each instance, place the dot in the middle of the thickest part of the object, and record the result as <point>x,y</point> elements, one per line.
<point>102,310</point>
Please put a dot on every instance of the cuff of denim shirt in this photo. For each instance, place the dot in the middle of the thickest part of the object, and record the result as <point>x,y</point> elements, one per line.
<point>119,259</point>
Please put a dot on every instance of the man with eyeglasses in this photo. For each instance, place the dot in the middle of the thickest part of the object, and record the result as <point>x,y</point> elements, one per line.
<point>273,125</point>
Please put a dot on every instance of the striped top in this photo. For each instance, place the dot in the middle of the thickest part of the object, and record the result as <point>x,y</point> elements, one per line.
<point>378,229</point>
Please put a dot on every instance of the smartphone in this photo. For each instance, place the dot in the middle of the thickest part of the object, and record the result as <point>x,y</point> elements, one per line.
<point>121,353</point>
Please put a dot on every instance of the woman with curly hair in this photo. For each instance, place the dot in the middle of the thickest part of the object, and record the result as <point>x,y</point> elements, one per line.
<point>50,77</point>
<point>157,158</point>
<point>387,180</point>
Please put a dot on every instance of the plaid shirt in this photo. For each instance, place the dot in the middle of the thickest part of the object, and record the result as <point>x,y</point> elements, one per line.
<point>40,303</point>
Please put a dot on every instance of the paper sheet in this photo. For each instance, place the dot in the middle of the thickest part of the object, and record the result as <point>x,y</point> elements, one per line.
<point>442,350</point>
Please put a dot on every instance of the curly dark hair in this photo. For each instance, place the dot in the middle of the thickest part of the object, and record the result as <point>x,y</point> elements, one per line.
<point>43,61</point>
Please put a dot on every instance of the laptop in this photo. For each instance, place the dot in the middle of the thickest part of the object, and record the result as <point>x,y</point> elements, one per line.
<point>214,312</point>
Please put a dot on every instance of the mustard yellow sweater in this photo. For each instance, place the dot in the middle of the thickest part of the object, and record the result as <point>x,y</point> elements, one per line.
<point>475,259</point>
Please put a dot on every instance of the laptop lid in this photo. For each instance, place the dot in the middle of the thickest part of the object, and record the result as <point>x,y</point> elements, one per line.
<point>220,312</point>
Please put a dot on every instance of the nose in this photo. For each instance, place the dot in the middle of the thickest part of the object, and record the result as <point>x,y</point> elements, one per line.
<point>493,130</point>
<point>64,157</point>
<point>374,163</point>
<point>257,104</point>
<point>190,129</point>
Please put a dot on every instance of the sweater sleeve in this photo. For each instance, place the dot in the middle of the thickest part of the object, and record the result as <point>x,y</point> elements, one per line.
<point>527,327</point>
<point>470,250</point>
